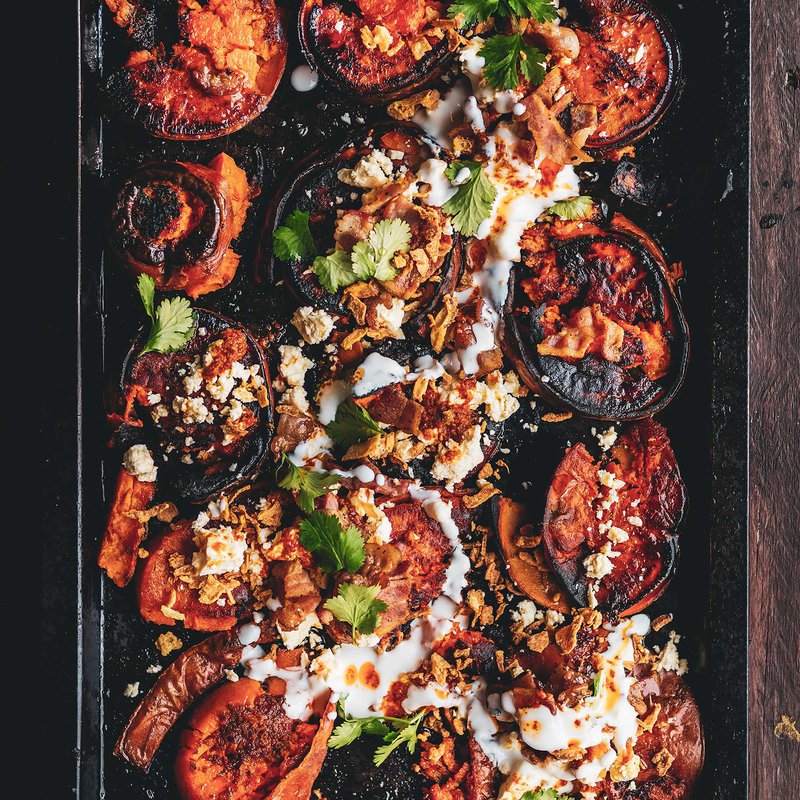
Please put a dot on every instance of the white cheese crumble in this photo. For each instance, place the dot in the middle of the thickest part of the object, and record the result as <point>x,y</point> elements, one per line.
<point>131,690</point>
<point>138,461</point>
<point>294,364</point>
<point>455,460</point>
<point>313,324</point>
<point>372,170</point>
<point>220,550</point>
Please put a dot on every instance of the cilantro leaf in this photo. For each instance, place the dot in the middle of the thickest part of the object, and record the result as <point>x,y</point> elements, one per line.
<point>481,10</point>
<point>540,10</point>
<point>357,605</point>
<point>596,683</point>
<point>352,425</point>
<point>334,270</point>
<point>506,56</point>
<point>472,202</point>
<point>310,483</point>
<point>574,208</point>
<point>292,241</point>
<point>334,546</point>
<point>147,291</point>
<point>544,794</point>
<point>172,322</point>
<point>395,731</point>
<point>372,259</point>
<point>407,734</point>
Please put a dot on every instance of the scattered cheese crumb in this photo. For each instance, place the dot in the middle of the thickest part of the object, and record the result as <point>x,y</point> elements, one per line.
<point>131,690</point>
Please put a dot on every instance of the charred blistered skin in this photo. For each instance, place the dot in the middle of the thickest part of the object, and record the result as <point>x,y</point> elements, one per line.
<point>216,79</point>
<point>175,221</point>
<point>377,50</point>
<point>628,68</point>
<point>593,323</point>
<point>207,439</point>
<point>610,529</point>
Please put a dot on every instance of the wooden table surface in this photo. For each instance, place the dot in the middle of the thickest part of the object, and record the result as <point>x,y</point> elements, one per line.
<point>774,688</point>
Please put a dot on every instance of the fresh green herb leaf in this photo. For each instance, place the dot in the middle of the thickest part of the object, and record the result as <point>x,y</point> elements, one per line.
<point>540,10</point>
<point>147,291</point>
<point>335,547</point>
<point>352,425</point>
<point>394,731</point>
<point>292,241</point>
<point>171,324</point>
<point>546,794</point>
<point>575,208</point>
<point>334,270</point>
<point>407,734</point>
<point>309,483</point>
<point>472,202</point>
<point>596,683</point>
<point>357,605</point>
<point>480,10</point>
<point>506,57</point>
<point>372,259</point>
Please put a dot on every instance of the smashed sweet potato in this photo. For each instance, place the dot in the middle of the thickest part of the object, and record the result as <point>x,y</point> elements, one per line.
<point>124,530</point>
<point>215,80</point>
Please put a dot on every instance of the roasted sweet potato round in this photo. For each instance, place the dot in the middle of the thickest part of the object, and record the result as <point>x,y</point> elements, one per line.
<point>592,321</point>
<point>175,222</point>
<point>610,524</point>
<point>628,68</point>
<point>217,78</point>
<point>240,745</point>
<point>345,195</point>
<point>378,51</point>
<point>207,407</point>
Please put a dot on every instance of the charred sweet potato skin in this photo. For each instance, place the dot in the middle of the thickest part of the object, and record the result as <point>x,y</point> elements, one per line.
<point>239,745</point>
<point>592,320</point>
<point>158,587</point>
<point>217,79</point>
<point>335,40</point>
<point>175,222</point>
<point>649,509</point>
<point>123,533</point>
<point>628,68</point>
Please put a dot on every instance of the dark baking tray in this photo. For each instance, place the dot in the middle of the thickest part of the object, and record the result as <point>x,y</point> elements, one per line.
<point>702,142</point>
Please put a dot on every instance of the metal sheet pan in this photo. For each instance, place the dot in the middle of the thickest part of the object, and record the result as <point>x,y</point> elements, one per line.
<point>703,142</point>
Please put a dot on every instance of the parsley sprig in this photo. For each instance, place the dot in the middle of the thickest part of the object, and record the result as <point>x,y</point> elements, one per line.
<point>472,202</point>
<point>508,57</point>
<point>395,731</point>
<point>292,241</point>
<point>309,483</point>
<point>171,323</point>
<point>358,606</point>
<point>334,546</point>
<point>545,794</point>
<point>352,425</point>
<point>370,259</point>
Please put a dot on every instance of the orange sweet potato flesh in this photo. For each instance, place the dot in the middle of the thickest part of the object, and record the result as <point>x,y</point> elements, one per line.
<point>157,587</point>
<point>216,80</point>
<point>123,535</point>
<point>240,745</point>
<point>192,674</point>
<point>535,580</point>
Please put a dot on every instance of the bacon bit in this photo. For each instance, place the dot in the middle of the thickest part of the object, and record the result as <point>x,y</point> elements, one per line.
<point>662,761</point>
<point>659,622</point>
<point>167,643</point>
<point>567,637</point>
<point>163,512</point>
<point>649,721</point>
<point>557,417</point>
<point>478,499</point>
<point>406,108</point>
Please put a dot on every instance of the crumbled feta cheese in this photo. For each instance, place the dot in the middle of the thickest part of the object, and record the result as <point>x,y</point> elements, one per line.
<point>616,534</point>
<point>192,410</point>
<point>294,364</point>
<point>670,659</point>
<point>597,565</point>
<point>497,394</point>
<point>295,638</point>
<point>153,398</point>
<point>372,170</point>
<point>220,550</point>
<point>231,675</point>
<point>635,521</point>
<point>527,613</point>
<point>313,324</point>
<point>553,618</point>
<point>131,690</point>
<point>376,522</point>
<point>138,461</point>
<point>607,438</point>
<point>455,460</point>
<point>296,396</point>
<point>391,316</point>
<point>154,669</point>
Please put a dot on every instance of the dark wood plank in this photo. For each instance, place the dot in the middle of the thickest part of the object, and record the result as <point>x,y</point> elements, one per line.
<point>774,688</point>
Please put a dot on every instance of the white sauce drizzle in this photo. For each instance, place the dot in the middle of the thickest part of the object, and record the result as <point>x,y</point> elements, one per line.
<point>304,79</point>
<point>377,372</point>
